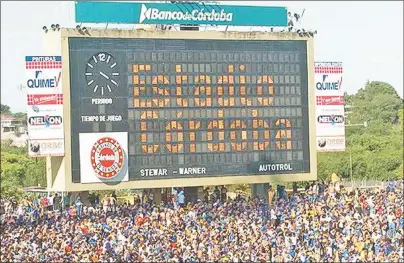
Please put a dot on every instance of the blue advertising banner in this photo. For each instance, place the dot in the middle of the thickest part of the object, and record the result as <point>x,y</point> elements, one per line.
<point>179,13</point>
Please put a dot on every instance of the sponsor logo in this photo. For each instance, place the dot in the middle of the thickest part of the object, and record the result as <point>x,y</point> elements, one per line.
<point>330,100</point>
<point>37,109</point>
<point>107,158</point>
<point>40,81</point>
<point>44,99</point>
<point>46,120</point>
<point>331,119</point>
<point>326,85</point>
<point>194,15</point>
<point>45,58</point>
<point>37,146</point>
<point>323,142</point>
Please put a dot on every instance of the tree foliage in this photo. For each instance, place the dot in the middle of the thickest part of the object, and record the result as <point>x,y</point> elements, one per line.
<point>18,170</point>
<point>4,109</point>
<point>376,150</point>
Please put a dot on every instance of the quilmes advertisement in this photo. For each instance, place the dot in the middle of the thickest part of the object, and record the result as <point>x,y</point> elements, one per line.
<point>104,157</point>
<point>330,113</point>
<point>179,13</point>
<point>44,106</point>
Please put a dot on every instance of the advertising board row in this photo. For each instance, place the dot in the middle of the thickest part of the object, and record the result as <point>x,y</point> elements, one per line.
<point>45,106</point>
<point>330,117</point>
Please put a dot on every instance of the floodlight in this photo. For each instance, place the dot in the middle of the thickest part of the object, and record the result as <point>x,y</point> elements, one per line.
<point>78,27</point>
<point>53,27</point>
<point>44,28</point>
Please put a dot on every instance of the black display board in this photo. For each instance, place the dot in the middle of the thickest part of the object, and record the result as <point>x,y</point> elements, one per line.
<point>194,108</point>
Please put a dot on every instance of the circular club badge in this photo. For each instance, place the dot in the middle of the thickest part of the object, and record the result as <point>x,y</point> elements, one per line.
<point>107,158</point>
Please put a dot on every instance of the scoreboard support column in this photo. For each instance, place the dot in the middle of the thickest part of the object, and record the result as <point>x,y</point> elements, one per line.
<point>260,191</point>
<point>192,194</point>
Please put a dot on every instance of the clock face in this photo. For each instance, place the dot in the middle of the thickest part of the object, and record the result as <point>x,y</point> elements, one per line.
<point>102,73</point>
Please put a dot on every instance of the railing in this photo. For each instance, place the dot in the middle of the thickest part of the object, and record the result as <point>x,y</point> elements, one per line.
<point>363,183</point>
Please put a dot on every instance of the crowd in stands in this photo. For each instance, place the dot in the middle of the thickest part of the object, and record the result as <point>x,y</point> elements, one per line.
<point>323,223</point>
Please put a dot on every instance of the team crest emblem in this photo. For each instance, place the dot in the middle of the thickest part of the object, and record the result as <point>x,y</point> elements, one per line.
<point>107,158</point>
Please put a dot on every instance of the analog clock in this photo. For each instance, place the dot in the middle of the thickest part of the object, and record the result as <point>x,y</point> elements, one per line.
<point>102,73</point>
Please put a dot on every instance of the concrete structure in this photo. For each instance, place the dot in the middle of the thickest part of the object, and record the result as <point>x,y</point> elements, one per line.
<point>14,130</point>
<point>59,168</point>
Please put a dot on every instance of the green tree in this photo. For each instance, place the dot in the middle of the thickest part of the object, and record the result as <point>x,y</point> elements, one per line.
<point>377,101</point>
<point>4,109</point>
<point>377,150</point>
<point>18,170</point>
<point>20,116</point>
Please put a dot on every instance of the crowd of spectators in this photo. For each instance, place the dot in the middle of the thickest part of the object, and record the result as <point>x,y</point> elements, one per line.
<point>323,223</point>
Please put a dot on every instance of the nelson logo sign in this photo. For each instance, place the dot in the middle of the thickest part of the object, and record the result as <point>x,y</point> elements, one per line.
<point>179,13</point>
<point>330,119</point>
<point>46,121</point>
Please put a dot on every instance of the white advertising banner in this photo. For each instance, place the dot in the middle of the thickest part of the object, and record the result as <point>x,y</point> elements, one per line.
<point>331,144</point>
<point>330,110</point>
<point>45,106</point>
<point>45,123</point>
<point>43,148</point>
<point>103,157</point>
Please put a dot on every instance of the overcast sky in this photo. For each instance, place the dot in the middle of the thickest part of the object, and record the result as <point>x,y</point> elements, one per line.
<point>366,36</point>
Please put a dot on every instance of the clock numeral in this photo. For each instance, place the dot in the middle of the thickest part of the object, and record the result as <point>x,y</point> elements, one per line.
<point>96,88</point>
<point>91,82</point>
<point>109,88</point>
<point>115,74</point>
<point>113,65</point>
<point>101,57</point>
<point>95,60</point>
<point>91,66</point>
<point>109,57</point>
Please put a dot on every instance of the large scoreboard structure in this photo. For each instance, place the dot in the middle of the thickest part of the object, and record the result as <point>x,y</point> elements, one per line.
<point>160,109</point>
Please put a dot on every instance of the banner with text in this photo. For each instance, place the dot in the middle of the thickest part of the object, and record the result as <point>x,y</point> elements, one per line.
<point>179,13</point>
<point>45,106</point>
<point>330,114</point>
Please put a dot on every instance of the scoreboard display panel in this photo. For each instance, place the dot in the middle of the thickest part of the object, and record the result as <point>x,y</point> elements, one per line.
<point>192,107</point>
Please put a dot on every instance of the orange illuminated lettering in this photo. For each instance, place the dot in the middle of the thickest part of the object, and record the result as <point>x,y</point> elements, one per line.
<point>216,126</point>
<point>147,116</point>
<point>174,128</point>
<point>238,133</point>
<point>283,137</point>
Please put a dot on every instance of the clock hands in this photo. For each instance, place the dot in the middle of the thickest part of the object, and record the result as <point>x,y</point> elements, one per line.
<point>102,74</point>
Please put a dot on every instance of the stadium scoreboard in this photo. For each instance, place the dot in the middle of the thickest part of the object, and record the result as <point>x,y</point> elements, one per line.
<point>190,108</point>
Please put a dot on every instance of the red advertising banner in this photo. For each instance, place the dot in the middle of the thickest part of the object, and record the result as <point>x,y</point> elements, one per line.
<point>330,100</point>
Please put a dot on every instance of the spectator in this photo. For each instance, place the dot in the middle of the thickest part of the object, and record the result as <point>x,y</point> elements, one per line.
<point>181,198</point>
<point>79,206</point>
<point>216,193</point>
<point>223,191</point>
<point>368,228</point>
<point>271,194</point>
